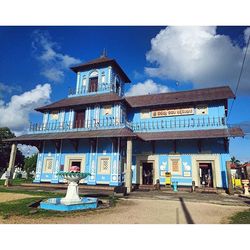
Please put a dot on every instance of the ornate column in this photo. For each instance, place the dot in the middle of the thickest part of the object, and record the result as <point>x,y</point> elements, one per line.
<point>128,174</point>
<point>10,169</point>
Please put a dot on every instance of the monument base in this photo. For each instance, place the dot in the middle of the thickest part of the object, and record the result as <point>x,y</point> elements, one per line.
<point>56,205</point>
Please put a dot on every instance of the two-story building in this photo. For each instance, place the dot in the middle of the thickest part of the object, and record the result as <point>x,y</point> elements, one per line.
<point>142,137</point>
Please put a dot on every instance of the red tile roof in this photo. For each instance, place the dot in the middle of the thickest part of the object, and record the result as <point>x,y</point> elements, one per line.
<point>196,95</point>
<point>102,62</point>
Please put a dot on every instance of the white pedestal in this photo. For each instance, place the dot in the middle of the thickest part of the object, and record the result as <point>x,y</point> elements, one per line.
<point>246,192</point>
<point>72,196</point>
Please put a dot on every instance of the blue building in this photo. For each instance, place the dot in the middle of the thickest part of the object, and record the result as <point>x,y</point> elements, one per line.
<point>135,140</point>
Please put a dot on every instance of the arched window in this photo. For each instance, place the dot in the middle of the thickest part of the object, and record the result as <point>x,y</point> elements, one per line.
<point>84,83</point>
<point>117,84</point>
<point>93,81</point>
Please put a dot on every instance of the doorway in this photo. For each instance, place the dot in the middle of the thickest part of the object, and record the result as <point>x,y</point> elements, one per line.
<point>206,174</point>
<point>93,83</point>
<point>79,119</point>
<point>147,173</point>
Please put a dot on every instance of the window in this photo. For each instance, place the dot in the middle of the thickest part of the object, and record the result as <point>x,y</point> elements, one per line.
<point>201,110</point>
<point>84,82</point>
<point>48,166</point>
<point>74,160</point>
<point>104,165</point>
<point>107,110</point>
<point>75,163</point>
<point>103,78</point>
<point>54,115</point>
<point>94,74</point>
<point>145,113</point>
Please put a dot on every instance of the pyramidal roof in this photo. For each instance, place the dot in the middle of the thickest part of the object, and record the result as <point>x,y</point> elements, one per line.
<point>102,61</point>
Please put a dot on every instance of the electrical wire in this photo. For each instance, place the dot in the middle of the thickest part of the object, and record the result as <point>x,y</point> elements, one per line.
<point>241,70</point>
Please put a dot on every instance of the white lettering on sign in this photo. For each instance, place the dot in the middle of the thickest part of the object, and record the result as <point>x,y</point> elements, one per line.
<point>172,112</point>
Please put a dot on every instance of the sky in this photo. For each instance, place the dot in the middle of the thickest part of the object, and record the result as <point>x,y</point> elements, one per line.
<point>35,61</point>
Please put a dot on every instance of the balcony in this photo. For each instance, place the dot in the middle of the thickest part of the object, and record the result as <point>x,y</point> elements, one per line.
<point>84,90</point>
<point>147,126</point>
<point>179,124</point>
<point>94,124</point>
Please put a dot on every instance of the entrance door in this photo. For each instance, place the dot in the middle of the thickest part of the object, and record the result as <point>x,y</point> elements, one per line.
<point>93,83</point>
<point>147,173</point>
<point>206,174</point>
<point>79,119</point>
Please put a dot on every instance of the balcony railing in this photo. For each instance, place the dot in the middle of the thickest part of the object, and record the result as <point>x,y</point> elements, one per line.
<point>94,124</point>
<point>186,123</point>
<point>142,126</point>
<point>103,87</point>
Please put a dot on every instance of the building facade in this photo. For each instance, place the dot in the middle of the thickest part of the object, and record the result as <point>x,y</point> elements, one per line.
<point>133,140</point>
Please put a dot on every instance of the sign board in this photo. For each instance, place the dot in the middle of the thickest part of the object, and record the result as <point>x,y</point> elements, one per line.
<point>168,178</point>
<point>172,112</point>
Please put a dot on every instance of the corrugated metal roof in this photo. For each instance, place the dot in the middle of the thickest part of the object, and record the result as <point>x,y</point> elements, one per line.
<point>81,101</point>
<point>191,134</point>
<point>123,132</point>
<point>196,95</point>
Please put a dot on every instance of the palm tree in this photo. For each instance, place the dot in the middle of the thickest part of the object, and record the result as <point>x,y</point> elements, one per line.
<point>235,162</point>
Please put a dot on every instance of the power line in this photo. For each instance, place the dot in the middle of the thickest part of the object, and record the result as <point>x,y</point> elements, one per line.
<point>241,70</point>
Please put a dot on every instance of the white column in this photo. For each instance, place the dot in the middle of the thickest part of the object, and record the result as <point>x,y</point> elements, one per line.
<point>10,169</point>
<point>128,174</point>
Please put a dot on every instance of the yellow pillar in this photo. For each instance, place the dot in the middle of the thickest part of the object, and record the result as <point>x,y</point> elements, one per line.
<point>10,169</point>
<point>128,174</point>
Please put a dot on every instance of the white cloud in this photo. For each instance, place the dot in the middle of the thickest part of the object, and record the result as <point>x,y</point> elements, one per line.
<point>46,51</point>
<point>8,89</point>
<point>27,150</point>
<point>147,87</point>
<point>198,55</point>
<point>15,114</point>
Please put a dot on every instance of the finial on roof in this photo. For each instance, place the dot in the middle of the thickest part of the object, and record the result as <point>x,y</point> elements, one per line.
<point>104,53</point>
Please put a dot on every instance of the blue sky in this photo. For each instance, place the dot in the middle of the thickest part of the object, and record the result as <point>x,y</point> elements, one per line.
<point>34,64</point>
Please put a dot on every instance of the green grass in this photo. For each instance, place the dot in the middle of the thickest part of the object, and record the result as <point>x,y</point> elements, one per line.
<point>17,181</point>
<point>21,207</point>
<point>241,218</point>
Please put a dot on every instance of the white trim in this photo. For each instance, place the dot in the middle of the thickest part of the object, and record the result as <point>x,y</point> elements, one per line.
<point>216,168</point>
<point>109,74</point>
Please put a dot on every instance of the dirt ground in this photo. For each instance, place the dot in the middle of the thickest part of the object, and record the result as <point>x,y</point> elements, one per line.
<point>13,196</point>
<point>144,211</point>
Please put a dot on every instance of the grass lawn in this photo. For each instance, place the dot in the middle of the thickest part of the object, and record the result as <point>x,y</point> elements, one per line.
<point>241,218</point>
<point>17,181</point>
<point>21,207</point>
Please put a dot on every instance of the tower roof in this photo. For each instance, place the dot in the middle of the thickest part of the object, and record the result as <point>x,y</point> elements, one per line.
<point>102,61</point>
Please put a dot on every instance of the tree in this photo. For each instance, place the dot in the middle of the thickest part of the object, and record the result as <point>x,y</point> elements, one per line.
<point>30,164</point>
<point>235,162</point>
<point>5,148</point>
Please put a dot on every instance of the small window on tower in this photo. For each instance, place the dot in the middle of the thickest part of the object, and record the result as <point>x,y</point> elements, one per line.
<point>84,82</point>
<point>103,78</point>
<point>145,114</point>
<point>54,115</point>
<point>107,110</point>
<point>201,110</point>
